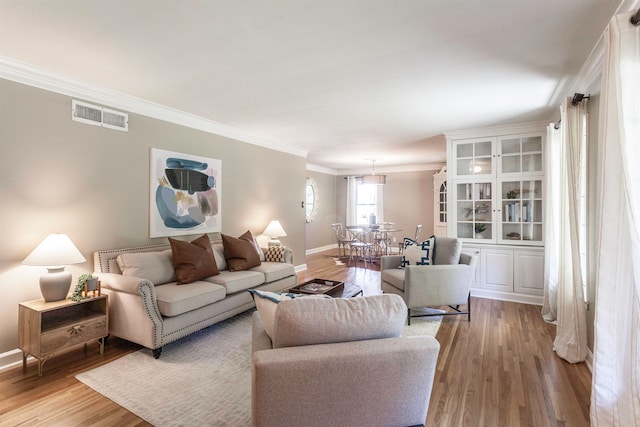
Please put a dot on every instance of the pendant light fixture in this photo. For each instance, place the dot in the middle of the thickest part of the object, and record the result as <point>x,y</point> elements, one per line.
<point>373,178</point>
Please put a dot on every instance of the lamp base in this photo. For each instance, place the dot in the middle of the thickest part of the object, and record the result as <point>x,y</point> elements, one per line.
<point>274,242</point>
<point>55,285</point>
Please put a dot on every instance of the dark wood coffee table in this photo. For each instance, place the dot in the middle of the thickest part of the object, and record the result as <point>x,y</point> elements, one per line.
<point>345,290</point>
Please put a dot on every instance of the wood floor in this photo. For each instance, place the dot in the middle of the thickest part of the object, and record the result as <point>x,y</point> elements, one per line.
<point>497,370</point>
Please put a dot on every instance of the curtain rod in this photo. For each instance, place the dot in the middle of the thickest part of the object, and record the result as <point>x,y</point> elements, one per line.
<point>635,19</point>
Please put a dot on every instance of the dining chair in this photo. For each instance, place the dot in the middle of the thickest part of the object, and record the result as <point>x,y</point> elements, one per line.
<point>415,238</point>
<point>360,244</point>
<point>341,238</point>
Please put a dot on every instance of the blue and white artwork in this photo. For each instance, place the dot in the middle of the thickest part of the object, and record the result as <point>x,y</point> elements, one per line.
<point>185,194</point>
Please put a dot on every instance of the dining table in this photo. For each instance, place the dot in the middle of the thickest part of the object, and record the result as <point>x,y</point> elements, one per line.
<point>377,237</point>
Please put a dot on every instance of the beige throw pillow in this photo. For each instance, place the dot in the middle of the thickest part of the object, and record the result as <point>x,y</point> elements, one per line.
<point>156,266</point>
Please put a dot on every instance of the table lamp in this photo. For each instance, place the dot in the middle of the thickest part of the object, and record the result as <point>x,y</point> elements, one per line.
<point>54,252</point>
<point>274,230</point>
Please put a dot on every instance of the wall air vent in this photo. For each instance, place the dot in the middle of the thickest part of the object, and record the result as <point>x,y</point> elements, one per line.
<point>98,116</point>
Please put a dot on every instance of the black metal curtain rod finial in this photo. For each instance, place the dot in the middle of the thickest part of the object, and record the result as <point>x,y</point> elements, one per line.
<point>635,19</point>
<point>578,98</point>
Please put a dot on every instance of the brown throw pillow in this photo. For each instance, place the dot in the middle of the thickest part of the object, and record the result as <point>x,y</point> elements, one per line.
<point>240,252</point>
<point>193,261</point>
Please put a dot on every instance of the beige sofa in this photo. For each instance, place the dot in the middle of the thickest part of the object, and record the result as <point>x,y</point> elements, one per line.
<point>148,307</point>
<point>340,362</point>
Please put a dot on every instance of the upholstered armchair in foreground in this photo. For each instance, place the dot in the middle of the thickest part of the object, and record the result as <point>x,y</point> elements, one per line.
<point>445,283</point>
<point>340,362</point>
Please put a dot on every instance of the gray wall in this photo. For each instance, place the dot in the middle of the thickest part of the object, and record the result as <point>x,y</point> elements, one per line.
<point>319,232</point>
<point>408,201</point>
<point>92,183</point>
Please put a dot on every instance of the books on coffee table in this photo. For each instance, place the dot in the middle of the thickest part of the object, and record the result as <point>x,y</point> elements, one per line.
<point>319,286</point>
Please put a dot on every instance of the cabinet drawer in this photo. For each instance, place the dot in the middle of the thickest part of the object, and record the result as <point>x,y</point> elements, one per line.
<point>73,334</point>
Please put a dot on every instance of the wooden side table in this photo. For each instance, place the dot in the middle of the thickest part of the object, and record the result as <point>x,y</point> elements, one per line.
<point>46,328</point>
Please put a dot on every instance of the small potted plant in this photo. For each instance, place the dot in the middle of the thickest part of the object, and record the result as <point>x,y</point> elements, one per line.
<point>479,228</point>
<point>85,278</point>
<point>511,195</point>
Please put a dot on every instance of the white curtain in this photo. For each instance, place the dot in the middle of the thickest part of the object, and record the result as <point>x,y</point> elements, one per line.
<point>615,394</point>
<point>552,223</point>
<point>380,204</point>
<point>352,188</point>
<point>571,332</point>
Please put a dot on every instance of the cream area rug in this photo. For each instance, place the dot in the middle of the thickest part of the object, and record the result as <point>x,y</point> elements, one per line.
<point>201,380</point>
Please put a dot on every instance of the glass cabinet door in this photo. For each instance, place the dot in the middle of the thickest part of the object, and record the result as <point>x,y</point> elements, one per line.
<point>474,157</point>
<point>474,208</point>
<point>521,210</point>
<point>521,154</point>
<point>442,204</point>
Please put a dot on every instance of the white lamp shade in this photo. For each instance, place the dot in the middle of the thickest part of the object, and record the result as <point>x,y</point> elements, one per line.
<point>55,250</point>
<point>274,229</point>
<point>374,179</point>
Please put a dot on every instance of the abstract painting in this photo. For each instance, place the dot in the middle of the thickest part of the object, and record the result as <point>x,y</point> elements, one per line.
<point>185,194</point>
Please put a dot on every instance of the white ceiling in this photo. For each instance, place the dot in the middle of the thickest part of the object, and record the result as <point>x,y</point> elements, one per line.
<point>344,80</point>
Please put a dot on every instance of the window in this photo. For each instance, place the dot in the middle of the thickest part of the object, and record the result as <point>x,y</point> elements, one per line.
<point>368,201</point>
<point>311,199</point>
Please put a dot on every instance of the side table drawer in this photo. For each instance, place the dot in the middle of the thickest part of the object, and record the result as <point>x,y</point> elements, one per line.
<point>73,334</point>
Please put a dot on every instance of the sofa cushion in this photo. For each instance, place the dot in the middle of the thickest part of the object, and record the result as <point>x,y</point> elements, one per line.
<point>418,253</point>
<point>240,253</point>
<point>193,261</point>
<point>156,267</point>
<point>174,299</point>
<point>275,270</point>
<point>237,281</point>
<point>448,251</point>
<point>394,276</point>
<point>267,303</point>
<point>308,321</point>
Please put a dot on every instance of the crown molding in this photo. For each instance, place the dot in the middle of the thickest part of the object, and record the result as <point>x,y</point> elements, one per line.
<point>394,169</point>
<point>321,169</point>
<point>19,72</point>
<point>498,130</point>
<point>592,67</point>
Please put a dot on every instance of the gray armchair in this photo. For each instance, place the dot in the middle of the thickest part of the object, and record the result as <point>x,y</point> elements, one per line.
<point>446,283</point>
<point>340,362</point>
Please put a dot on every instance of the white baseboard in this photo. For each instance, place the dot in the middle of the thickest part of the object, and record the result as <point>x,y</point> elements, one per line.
<point>321,249</point>
<point>10,358</point>
<point>301,267</point>
<point>507,296</point>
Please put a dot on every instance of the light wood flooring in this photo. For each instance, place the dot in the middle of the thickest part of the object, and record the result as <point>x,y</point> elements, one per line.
<point>497,370</point>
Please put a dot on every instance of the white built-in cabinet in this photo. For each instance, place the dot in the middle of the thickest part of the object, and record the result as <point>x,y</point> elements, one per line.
<point>495,206</point>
